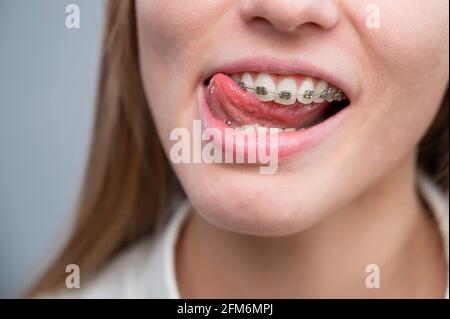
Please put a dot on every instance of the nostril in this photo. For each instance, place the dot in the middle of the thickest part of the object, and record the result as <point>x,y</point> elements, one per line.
<point>261,21</point>
<point>266,25</point>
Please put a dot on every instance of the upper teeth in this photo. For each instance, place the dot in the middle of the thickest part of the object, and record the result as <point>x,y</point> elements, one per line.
<point>264,87</point>
<point>287,91</point>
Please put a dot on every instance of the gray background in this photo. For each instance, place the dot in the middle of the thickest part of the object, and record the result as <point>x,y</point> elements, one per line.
<point>47,88</point>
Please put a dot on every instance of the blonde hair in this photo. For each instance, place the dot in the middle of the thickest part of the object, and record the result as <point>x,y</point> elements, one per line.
<point>129,182</point>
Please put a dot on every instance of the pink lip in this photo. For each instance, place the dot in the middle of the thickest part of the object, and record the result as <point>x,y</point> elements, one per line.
<point>289,144</point>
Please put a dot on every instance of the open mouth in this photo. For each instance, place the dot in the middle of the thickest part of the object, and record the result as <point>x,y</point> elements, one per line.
<point>247,101</point>
<point>302,109</point>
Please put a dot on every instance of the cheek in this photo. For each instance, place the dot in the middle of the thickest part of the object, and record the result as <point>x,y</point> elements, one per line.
<point>163,41</point>
<point>417,61</point>
<point>171,37</point>
<point>418,42</point>
<point>406,69</point>
<point>412,38</point>
<point>175,31</point>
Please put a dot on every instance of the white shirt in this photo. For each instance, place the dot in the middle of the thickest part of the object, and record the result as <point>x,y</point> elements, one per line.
<point>147,269</point>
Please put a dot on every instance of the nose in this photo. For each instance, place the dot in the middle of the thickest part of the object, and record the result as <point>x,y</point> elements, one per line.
<point>290,15</point>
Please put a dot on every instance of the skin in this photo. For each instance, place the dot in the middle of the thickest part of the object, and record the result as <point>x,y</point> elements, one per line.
<point>348,202</point>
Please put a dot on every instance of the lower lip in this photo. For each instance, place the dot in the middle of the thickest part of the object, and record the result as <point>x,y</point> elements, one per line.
<point>289,145</point>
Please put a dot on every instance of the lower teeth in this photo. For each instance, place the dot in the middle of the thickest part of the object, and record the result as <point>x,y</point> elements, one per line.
<point>259,128</point>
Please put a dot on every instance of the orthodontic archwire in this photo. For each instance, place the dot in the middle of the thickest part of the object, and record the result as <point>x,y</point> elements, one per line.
<point>329,93</point>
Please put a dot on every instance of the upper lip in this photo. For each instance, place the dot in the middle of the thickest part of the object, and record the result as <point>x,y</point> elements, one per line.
<point>285,67</point>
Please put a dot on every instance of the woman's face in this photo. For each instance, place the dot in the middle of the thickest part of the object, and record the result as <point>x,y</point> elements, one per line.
<point>394,75</point>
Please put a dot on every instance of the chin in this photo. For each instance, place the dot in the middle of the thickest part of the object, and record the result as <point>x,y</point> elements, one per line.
<point>241,201</point>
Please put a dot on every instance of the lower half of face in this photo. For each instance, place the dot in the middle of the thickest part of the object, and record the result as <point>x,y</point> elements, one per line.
<point>347,90</point>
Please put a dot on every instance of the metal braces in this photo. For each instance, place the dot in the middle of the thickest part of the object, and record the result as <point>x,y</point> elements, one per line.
<point>329,93</point>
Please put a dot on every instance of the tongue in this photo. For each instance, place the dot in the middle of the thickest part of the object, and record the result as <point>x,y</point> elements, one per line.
<point>229,102</point>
